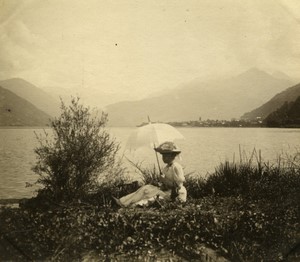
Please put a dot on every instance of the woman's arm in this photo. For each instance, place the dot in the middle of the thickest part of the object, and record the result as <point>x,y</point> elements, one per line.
<point>181,193</point>
<point>163,180</point>
<point>178,174</point>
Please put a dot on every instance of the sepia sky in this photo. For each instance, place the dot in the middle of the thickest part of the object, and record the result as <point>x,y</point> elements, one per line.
<point>131,49</point>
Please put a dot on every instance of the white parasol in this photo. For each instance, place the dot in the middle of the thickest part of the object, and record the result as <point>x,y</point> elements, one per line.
<point>152,135</point>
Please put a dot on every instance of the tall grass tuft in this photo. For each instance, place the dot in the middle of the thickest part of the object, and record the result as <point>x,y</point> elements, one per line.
<point>149,175</point>
<point>251,180</point>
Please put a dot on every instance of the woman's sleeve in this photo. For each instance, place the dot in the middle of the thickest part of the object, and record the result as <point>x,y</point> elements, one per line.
<point>178,174</point>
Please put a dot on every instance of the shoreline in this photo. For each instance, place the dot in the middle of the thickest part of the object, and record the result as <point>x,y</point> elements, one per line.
<point>11,202</point>
<point>25,127</point>
<point>5,201</point>
<point>177,126</point>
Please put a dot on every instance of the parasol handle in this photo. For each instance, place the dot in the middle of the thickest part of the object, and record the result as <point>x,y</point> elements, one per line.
<point>157,160</point>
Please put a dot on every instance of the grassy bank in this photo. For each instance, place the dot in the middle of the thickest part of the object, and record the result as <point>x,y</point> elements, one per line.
<point>245,212</point>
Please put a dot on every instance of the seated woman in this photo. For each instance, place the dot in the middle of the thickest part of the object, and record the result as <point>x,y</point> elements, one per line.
<point>172,178</point>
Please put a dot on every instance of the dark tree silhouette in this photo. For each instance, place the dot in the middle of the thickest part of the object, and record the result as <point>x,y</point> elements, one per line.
<point>70,159</point>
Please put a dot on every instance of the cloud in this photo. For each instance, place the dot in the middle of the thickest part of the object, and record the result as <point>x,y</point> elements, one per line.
<point>9,10</point>
<point>141,47</point>
<point>264,35</point>
<point>292,7</point>
<point>31,56</point>
<point>20,49</point>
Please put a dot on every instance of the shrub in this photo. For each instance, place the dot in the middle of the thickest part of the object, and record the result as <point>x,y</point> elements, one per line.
<point>264,181</point>
<point>230,179</point>
<point>71,158</point>
<point>196,187</point>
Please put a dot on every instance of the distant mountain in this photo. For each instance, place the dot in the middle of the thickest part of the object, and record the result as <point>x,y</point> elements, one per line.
<point>288,115</point>
<point>36,96</point>
<point>93,97</point>
<point>16,111</point>
<point>288,95</point>
<point>281,75</point>
<point>216,99</point>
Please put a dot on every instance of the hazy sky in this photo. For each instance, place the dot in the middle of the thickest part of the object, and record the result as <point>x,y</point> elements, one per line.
<point>130,49</point>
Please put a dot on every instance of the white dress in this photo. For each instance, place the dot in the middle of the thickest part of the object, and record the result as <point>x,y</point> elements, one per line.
<point>172,178</point>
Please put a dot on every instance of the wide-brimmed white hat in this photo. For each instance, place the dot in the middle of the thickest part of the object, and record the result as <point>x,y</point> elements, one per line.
<point>167,148</point>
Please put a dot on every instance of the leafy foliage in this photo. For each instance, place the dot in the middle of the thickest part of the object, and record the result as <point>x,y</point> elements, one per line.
<point>70,159</point>
<point>238,229</point>
<point>288,115</point>
<point>244,212</point>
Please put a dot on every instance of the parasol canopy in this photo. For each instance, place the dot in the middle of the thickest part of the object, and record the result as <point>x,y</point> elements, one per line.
<point>152,135</point>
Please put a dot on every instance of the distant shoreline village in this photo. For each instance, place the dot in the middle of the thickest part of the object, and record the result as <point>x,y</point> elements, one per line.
<point>258,122</point>
<point>215,123</point>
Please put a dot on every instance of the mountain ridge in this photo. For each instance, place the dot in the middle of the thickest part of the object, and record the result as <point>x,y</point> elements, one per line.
<point>16,111</point>
<point>221,99</point>
<point>36,96</point>
<point>288,95</point>
<point>218,99</point>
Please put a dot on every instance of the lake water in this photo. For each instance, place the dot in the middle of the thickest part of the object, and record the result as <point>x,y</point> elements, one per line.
<point>202,150</point>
